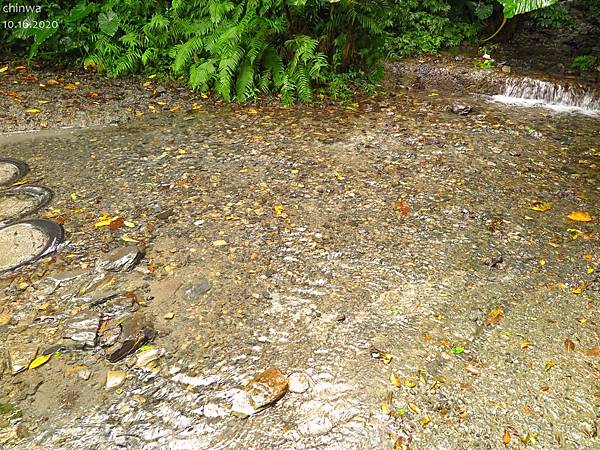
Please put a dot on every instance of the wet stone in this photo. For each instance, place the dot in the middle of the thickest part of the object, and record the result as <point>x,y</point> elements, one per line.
<point>264,390</point>
<point>80,331</point>
<point>193,290</point>
<point>299,382</point>
<point>21,356</point>
<point>122,259</point>
<point>136,330</point>
<point>461,109</point>
<point>115,378</point>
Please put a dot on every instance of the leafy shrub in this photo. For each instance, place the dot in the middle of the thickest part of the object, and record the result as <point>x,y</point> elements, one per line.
<point>242,48</point>
<point>555,16</point>
<point>585,63</point>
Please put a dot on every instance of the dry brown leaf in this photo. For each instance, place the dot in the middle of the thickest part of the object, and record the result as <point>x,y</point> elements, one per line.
<point>402,207</point>
<point>569,345</point>
<point>594,351</point>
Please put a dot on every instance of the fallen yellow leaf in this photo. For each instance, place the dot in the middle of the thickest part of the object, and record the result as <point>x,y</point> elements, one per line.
<point>278,210</point>
<point>70,86</point>
<point>540,206</point>
<point>3,69</point>
<point>33,110</point>
<point>395,380</point>
<point>175,108</point>
<point>37,362</point>
<point>580,216</point>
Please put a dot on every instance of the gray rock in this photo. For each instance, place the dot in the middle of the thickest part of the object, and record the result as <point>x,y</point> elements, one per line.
<point>80,331</point>
<point>460,109</point>
<point>122,259</point>
<point>506,69</point>
<point>194,290</point>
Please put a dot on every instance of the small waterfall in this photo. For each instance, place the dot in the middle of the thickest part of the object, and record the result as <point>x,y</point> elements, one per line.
<point>531,92</point>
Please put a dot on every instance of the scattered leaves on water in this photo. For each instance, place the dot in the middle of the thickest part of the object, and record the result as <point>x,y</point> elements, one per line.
<point>580,216</point>
<point>457,350</point>
<point>580,288</point>
<point>40,360</point>
<point>402,207</point>
<point>414,408</point>
<point>494,316</point>
<point>595,351</point>
<point>396,381</point>
<point>540,206</point>
<point>116,223</point>
<point>278,210</point>
<point>569,345</point>
<point>105,220</point>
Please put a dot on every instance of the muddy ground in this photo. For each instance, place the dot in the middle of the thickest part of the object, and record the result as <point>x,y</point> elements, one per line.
<point>419,266</point>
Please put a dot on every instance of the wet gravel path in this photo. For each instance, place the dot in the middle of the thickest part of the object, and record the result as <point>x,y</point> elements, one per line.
<point>351,244</point>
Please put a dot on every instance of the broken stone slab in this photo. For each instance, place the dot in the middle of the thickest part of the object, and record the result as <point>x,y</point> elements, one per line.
<point>136,330</point>
<point>99,298</point>
<point>264,390</point>
<point>52,282</point>
<point>81,331</point>
<point>122,259</point>
<point>21,356</point>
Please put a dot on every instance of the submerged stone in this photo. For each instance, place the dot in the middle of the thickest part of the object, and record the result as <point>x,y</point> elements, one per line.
<point>264,390</point>
<point>122,259</point>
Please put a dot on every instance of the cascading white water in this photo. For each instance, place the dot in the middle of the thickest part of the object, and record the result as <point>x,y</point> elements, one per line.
<point>531,92</point>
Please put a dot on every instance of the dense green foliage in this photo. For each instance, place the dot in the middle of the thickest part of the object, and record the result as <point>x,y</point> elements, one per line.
<point>242,48</point>
<point>584,63</point>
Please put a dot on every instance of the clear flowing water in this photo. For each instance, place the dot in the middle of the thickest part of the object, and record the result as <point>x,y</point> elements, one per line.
<point>559,97</point>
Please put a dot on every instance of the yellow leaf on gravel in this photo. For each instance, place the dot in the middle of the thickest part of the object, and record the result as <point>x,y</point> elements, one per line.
<point>540,206</point>
<point>37,362</point>
<point>219,243</point>
<point>70,86</point>
<point>395,380</point>
<point>580,216</point>
<point>3,69</point>
<point>278,210</point>
<point>506,438</point>
<point>175,108</point>
<point>33,110</point>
